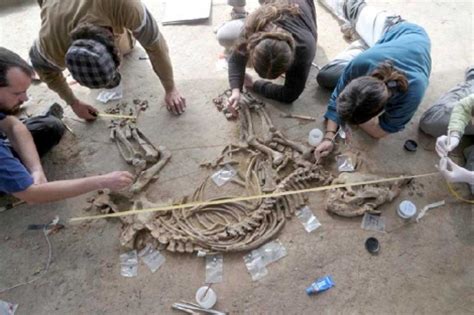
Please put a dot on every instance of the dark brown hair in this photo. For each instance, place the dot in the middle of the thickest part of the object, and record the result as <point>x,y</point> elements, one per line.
<point>99,34</point>
<point>365,97</point>
<point>271,53</point>
<point>8,60</point>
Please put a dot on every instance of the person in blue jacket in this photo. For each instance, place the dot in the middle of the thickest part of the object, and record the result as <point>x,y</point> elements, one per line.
<point>378,82</point>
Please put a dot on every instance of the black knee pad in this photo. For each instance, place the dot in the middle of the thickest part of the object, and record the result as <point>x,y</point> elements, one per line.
<point>46,131</point>
<point>326,80</point>
<point>55,128</point>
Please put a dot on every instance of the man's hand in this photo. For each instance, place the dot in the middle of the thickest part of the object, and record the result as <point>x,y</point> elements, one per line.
<point>454,173</point>
<point>175,103</point>
<point>39,178</point>
<point>84,111</point>
<point>117,180</point>
<point>323,149</point>
<point>248,82</point>
<point>233,102</point>
<point>442,146</point>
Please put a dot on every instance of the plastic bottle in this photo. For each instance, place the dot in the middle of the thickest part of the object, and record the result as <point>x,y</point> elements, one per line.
<point>315,137</point>
<point>320,285</point>
<point>406,209</point>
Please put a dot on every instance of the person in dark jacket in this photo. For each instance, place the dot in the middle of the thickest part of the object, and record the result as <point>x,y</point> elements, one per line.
<point>278,38</point>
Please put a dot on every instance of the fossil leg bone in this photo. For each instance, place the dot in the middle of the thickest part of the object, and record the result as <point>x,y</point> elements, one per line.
<point>146,176</point>
<point>277,157</point>
<point>301,148</point>
<point>151,154</point>
<point>244,131</point>
<point>269,174</point>
<point>267,128</point>
<point>125,147</point>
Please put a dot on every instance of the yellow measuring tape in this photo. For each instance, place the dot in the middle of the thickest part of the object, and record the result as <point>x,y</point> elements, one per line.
<point>116,116</point>
<point>457,195</point>
<point>245,198</point>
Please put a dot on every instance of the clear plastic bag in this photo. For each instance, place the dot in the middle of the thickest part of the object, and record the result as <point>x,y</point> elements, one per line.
<point>214,268</point>
<point>271,252</point>
<point>257,260</point>
<point>151,257</point>
<point>373,223</point>
<point>223,175</point>
<point>7,308</point>
<point>255,265</point>
<point>129,264</point>
<point>307,218</point>
<point>344,163</point>
<point>112,94</point>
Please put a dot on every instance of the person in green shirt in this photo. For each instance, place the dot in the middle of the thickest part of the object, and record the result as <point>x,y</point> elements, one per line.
<point>450,119</point>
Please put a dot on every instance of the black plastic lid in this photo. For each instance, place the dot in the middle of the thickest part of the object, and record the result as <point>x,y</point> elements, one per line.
<point>410,145</point>
<point>372,245</point>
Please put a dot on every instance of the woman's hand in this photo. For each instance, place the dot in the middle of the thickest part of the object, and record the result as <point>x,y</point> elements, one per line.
<point>323,149</point>
<point>233,102</point>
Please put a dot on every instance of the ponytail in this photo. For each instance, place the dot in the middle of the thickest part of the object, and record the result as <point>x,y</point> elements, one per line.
<point>260,18</point>
<point>365,97</point>
<point>270,53</point>
<point>393,79</point>
<point>270,12</point>
<point>256,38</point>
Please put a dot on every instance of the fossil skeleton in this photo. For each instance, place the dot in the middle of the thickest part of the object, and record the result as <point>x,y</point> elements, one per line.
<point>265,163</point>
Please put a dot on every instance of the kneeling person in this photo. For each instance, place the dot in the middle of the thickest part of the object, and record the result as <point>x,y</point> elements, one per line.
<point>22,144</point>
<point>379,87</point>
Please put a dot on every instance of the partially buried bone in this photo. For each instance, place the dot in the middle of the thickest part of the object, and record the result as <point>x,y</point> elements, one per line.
<point>267,125</point>
<point>356,200</point>
<point>102,202</point>
<point>139,165</point>
<point>244,131</point>
<point>151,154</point>
<point>277,157</point>
<point>146,176</point>
<point>301,148</point>
<point>269,175</point>
<point>246,115</point>
<point>252,140</point>
<point>126,149</point>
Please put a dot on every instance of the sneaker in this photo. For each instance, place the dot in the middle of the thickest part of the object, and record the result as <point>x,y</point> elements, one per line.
<point>351,9</point>
<point>469,75</point>
<point>238,15</point>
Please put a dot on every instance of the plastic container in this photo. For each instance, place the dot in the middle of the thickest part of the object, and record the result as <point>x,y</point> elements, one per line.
<point>206,299</point>
<point>372,245</point>
<point>320,285</point>
<point>315,137</point>
<point>406,209</point>
<point>410,145</point>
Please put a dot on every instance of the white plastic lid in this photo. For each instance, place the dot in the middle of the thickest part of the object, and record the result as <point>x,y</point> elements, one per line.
<point>315,137</point>
<point>206,300</point>
<point>406,209</point>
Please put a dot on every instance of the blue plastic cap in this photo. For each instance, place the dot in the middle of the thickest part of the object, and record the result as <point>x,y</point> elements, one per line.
<point>309,290</point>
